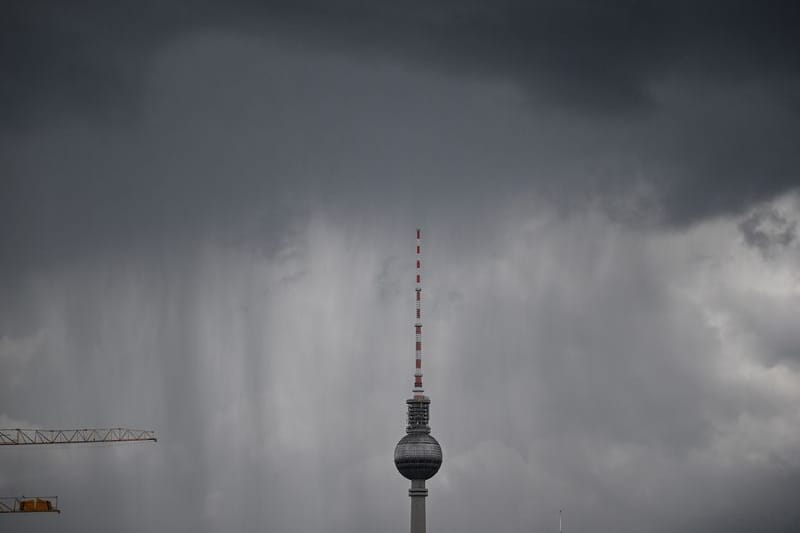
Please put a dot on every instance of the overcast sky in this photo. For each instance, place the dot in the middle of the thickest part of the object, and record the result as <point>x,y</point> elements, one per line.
<point>207,229</point>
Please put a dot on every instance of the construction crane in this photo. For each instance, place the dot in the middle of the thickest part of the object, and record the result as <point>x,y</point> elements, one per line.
<point>25,437</point>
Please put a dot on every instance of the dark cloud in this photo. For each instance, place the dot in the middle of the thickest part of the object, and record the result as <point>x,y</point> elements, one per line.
<point>582,53</point>
<point>694,100</point>
<point>766,229</point>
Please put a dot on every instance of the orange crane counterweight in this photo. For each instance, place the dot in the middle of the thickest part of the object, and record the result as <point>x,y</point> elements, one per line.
<point>41,504</point>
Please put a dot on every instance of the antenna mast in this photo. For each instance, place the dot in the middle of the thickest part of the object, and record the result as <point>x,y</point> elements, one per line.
<point>419,392</point>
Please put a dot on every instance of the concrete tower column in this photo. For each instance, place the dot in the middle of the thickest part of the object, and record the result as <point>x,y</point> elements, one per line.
<point>418,493</point>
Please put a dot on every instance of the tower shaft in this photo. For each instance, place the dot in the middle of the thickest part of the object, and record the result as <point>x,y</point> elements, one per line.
<point>418,493</point>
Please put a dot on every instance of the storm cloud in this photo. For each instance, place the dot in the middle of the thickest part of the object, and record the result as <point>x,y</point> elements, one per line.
<point>695,100</point>
<point>206,229</point>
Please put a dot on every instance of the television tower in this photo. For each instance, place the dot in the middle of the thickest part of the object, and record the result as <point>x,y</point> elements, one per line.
<point>418,455</point>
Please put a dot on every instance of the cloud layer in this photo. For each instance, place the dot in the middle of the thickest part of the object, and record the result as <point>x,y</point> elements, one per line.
<point>206,222</point>
<point>571,362</point>
<point>690,103</point>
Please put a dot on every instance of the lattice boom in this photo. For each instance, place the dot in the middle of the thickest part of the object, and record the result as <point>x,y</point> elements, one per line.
<point>18,437</point>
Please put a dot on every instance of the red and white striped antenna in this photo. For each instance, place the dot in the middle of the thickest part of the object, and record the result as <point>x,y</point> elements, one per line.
<point>419,392</point>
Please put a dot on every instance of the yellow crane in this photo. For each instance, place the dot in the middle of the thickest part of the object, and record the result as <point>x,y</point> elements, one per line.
<point>26,437</point>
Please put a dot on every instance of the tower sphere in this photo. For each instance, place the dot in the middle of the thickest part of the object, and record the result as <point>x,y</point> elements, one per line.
<point>418,456</point>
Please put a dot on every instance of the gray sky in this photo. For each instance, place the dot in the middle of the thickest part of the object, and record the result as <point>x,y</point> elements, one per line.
<point>207,228</point>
